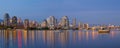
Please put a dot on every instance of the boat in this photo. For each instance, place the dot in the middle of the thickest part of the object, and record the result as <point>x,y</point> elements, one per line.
<point>103,30</point>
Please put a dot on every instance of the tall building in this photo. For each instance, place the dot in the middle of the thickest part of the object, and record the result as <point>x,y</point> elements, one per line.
<point>86,26</point>
<point>74,23</point>
<point>81,25</point>
<point>19,21</point>
<point>6,19</point>
<point>33,24</point>
<point>14,21</point>
<point>39,25</point>
<point>26,23</point>
<point>64,23</point>
<point>30,23</point>
<point>44,24</point>
<point>20,24</point>
<point>10,21</point>
<point>56,23</point>
<point>51,22</point>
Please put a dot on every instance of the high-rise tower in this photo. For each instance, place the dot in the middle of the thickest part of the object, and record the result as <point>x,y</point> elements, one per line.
<point>74,23</point>
<point>6,19</point>
<point>26,23</point>
<point>14,21</point>
<point>64,23</point>
<point>51,21</point>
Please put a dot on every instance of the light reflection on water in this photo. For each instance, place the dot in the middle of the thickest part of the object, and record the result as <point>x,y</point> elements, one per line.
<point>58,39</point>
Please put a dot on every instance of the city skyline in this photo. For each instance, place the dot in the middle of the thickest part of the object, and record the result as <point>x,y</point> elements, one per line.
<point>51,18</point>
<point>86,11</point>
<point>50,23</point>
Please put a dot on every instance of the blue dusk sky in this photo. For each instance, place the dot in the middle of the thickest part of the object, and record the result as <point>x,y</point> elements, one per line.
<point>86,11</point>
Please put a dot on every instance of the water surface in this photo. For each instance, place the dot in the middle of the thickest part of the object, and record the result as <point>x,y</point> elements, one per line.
<point>58,39</point>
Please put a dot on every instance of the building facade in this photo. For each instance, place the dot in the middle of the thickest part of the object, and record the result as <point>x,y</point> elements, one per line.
<point>64,23</point>
<point>44,24</point>
<point>51,22</point>
<point>14,21</point>
<point>74,23</point>
<point>26,23</point>
<point>6,19</point>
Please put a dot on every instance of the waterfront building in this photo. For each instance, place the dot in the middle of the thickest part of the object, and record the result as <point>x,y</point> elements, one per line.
<point>20,24</point>
<point>14,21</point>
<point>70,26</point>
<point>44,24</point>
<point>30,23</point>
<point>59,25</point>
<point>33,24</point>
<point>51,22</point>
<point>6,19</point>
<point>64,23</point>
<point>19,21</point>
<point>26,23</point>
<point>74,23</point>
<point>10,21</point>
<point>86,26</point>
<point>56,23</point>
<point>79,25</point>
<point>39,26</point>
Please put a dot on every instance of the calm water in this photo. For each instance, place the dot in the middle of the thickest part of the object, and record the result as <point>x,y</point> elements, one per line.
<point>58,39</point>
